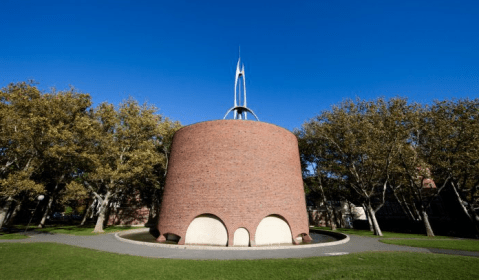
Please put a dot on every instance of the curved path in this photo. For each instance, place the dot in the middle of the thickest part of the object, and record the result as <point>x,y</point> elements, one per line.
<point>109,243</point>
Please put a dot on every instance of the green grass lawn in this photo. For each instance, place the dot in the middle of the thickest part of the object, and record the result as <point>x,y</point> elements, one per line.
<point>81,230</point>
<point>386,234</point>
<point>416,240</point>
<point>58,261</point>
<point>12,236</point>
<point>466,245</point>
<point>74,229</point>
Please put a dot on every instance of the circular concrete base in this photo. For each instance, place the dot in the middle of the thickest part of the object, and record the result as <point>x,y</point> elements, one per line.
<point>194,247</point>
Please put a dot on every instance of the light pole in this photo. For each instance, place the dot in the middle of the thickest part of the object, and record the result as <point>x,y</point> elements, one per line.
<point>39,198</point>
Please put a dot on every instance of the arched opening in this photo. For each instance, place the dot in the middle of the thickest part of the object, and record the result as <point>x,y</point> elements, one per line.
<point>241,237</point>
<point>173,237</point>
<point>303,238</point>
<point>306,238</point>
<point>206,229</point>
<point>299,238</point>
<point>273,229</point>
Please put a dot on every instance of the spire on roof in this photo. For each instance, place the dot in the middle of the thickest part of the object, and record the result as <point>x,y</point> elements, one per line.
<point>240,110</point>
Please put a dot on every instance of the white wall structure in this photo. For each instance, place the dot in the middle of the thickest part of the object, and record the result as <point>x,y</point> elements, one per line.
<point>273,230</point>
<point>241,237</point>
<point>358,213</point>
<point>206,230</point>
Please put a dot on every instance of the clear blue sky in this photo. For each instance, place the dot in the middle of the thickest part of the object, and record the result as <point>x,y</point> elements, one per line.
<point>300,57</point>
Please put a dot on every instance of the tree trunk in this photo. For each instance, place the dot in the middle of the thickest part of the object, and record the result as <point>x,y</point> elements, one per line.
<point>332,222</point>
<point>330,209</point>
<point>372,215</point>
<point>87,213</point>
<point>14,213</point>
<point>94,207</point>
<point>50,202</point>
<point>331,218</point>
<point>461,203</point>
<point>9,213</point>
<point>368,217</point>
<point>85,216</point>
<point>339,218</point>
<point>4,210</point>
<point>102,215</point>
<point>473,218</point>
<point>47,210</point>
<point>427,225</point>
<point>419,216</point>
<point>151,210</point>
<point>152,215</point>
<point>404,207</point>
<point>413,217</point>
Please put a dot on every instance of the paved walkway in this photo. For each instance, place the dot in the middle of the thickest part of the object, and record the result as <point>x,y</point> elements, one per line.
<point>108,243</point>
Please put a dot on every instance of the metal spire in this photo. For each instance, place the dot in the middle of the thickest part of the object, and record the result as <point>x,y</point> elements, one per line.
<point>240,111</point>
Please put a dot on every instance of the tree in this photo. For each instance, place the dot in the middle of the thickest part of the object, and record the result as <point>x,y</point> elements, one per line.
<point>417,175</point>
<point>151,191</point>
<point>449,143</point>
<point>41,142</point>
<point>320,182</point>
<point>61,144</point>
<point>52,144</point>
<point>124,152</point>
<point>359,143</point>
<point>399,189</point>
<point>19,127</point>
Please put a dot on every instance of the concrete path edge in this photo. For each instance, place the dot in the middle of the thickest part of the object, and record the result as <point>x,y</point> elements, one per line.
<point>119,235</point>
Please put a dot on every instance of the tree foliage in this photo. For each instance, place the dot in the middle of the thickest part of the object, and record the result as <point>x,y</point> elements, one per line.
<point>55,144</point>
<point>367,147</point>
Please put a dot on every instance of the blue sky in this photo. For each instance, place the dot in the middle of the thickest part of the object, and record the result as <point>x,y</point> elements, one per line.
<point>300,57</point>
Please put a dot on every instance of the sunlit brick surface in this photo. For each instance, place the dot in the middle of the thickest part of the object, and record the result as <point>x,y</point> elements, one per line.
<point>240,171</point>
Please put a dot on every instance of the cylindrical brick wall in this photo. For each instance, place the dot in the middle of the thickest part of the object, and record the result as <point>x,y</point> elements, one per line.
<point>240,171</point>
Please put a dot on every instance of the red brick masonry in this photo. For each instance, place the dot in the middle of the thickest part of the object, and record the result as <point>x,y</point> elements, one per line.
<point>240,171</point>
<point>132,215</point>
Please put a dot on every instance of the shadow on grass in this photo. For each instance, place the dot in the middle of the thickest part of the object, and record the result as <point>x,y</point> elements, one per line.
<point>82,230</point>
<point>65,229</point>
<point>59,261</point>
<point>386,234</point>
<point>14,235</point>
<point>460,244</point>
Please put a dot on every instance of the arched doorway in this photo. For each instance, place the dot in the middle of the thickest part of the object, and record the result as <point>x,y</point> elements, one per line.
<point>206,229</point>
<point>173,237</point>
<point>273,230</point>
<point>241,237</point>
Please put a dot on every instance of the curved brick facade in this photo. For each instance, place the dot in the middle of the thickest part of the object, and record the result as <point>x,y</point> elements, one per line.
<point>240,171</point>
